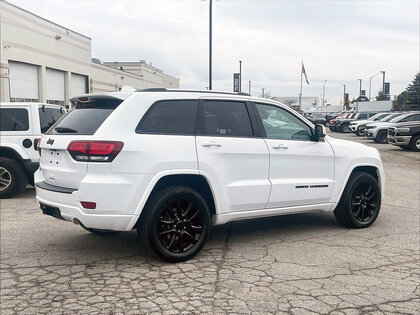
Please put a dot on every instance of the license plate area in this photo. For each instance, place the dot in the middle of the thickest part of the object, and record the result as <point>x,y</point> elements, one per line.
<point>54,157</point>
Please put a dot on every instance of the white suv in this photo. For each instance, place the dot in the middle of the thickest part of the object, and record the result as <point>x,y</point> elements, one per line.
<point>170,163</point>
<point>21,128</point>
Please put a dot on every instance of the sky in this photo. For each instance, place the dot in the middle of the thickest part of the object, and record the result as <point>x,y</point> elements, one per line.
<point>338,41</point>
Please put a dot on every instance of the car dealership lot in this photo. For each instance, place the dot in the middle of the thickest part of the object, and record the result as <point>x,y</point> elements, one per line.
<point>293,264</point>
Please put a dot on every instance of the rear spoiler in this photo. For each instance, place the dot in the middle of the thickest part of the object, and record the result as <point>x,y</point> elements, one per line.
<point>85,98</point>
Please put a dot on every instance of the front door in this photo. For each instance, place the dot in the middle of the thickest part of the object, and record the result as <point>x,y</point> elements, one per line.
<point>236,161</point>
<point>301,170</point>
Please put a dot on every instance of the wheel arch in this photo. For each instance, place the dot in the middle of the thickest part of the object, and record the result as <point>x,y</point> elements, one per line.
<point>190,178</point>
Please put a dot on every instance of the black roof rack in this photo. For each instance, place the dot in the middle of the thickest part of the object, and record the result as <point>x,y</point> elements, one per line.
<point>191,91</point>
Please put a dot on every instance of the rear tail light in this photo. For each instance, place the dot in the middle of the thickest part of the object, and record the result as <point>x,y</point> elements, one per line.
<point>94,151</point>
<point>88,204</point>
<point>37,141</point>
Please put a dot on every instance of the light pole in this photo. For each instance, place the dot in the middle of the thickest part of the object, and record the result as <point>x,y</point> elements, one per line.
<point>370,82</point>
<point>240,76</point>
<point>210,43</point>
<point>249,87</point>
<point>383,81</point>
<point>263,92</point>
<point>323,94</point>
<point>360,88</point>
<point>344,97</point>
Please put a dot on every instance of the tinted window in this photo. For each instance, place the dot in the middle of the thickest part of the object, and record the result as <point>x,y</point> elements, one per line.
<point>14,119</point>
<point>170,117</point>
<point>85,118</point>
<point>48,117</point>
<point>281,124</point>
<point>415,117</point>
<point>224,118</point>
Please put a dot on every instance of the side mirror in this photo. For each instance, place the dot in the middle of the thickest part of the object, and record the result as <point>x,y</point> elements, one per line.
<point>320,132</point>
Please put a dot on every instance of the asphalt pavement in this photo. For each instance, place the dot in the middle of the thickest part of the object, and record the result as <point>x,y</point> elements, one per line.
<point>294,264</point>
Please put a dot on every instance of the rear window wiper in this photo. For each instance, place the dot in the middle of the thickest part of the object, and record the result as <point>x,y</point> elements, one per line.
<point>65,130</point>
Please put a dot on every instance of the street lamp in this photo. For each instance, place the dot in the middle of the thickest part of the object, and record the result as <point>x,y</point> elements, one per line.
<point>360,88</point>
<point>323,94</point>
<point>210,43</point>
<point>370,81</point>
<point>240,76</point>
<point>344,97</point>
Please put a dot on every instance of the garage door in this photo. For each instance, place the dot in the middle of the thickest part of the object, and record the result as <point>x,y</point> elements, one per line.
<point>55,86</point>
<point>78,84</point>
<point>23,82</point>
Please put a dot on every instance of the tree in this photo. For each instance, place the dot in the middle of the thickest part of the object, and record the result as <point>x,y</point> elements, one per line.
<point>381,96</point>
<point>410,98</point>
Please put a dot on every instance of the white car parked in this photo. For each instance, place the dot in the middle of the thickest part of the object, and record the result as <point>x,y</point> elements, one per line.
<point>171,163</point>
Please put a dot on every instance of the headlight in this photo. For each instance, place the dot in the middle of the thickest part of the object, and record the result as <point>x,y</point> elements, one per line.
<point>402,129</point>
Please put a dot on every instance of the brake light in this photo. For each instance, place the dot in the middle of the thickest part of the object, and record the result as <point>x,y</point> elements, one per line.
<point>88,204</point>
<point>94,151</point>
<point>37,141</point>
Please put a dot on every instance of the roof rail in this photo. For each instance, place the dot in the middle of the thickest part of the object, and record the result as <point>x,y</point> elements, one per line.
<point>191,91</point>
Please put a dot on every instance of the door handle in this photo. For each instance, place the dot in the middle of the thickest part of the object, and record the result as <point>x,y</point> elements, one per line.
<point>280,146</point>
<point>211,144</point>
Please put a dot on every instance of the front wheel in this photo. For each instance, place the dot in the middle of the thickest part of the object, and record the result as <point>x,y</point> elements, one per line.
<point>359,132</point>
<point>381,137</point>
<point>345,128</point>
<point>175,224</point>
<point>360,203</point>
<point>415,143</point>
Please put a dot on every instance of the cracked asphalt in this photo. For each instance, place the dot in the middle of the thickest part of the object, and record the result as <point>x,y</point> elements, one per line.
<point>295,264</point>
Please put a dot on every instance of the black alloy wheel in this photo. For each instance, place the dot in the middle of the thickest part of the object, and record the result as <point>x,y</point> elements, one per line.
<point>175,223</point>
<point>382,137</point>
<point>360,202</point>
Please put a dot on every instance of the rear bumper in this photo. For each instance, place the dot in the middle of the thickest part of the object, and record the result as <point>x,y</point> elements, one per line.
<point>399,140</point>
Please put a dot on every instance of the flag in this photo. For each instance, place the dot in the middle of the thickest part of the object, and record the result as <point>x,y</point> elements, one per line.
<point>304,72</point>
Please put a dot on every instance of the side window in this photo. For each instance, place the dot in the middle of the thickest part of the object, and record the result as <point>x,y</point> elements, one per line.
<point>281,124</point>
<point>175,117</point>
<point>48,117</point>
<point>363,116</point>
<point>14,119</point>
<point>224,118</point>
<point>415,117</point>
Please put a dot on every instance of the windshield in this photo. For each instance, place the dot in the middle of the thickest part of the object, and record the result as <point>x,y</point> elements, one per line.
<point>398,118</point>
<point>389,117</point>
<point>377,117</point>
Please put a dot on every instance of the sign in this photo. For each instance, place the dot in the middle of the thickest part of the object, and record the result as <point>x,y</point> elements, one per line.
<point>387,85</point>
<point>346,98</point>
<point>236,82</point>
<point>362,92</point>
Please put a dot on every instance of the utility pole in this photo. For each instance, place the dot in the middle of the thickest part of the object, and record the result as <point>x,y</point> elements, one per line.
<point>210,43</point>
<point>240,76</point>
<point>383,82</point>
<point>323,94</point>
<point>344,97</point>
<point>263,92</point>
<point>360,88</point>
<point>249,87</point>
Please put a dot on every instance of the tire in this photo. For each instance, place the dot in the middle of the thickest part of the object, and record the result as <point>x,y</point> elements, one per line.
<point>415,143</point>
<point>355,211</point>
<point>381,137</point>
<point>345,128</point>
<point>99,232</point>
<point>12,178</point>
<point>358,133</point>
<point>174,224</point>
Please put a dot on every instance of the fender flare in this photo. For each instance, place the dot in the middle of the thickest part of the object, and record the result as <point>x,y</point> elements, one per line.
<point>16,150</point>
<point>155,179</point>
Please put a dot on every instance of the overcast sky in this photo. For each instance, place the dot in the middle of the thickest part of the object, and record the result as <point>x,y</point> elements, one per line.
<point>339,41</point>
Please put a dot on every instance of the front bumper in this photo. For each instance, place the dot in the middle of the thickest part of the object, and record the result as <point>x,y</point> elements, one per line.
<point>371,133</point>
<point>399,140</point>
<point>353,128</point>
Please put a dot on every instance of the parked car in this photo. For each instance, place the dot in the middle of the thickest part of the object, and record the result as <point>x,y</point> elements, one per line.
<point>390,116</point>
<point>405,135</point>
<point>379,131</point>
<point>21,127</point>
<point>343,125</point>
<point>317,118</point>
<point>333,122</point>
<point>357,127</point>
<point>170,163</point>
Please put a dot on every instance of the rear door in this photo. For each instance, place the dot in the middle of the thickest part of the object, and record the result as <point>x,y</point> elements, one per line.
<point>81,123</point>
<point>229,151</point>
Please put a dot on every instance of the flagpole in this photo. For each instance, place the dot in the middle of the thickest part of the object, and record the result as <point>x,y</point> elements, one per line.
<point>300,94</point>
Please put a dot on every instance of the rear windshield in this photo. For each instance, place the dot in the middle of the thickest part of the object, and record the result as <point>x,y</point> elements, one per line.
<point>49,116</point>
<point>14,119</point>
<point>85,118</point>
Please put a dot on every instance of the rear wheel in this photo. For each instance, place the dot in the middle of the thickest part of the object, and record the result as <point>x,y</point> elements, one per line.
<point>415,143</point>
<point>12,178</point>
<point>381,137</point>
<point>360,203</point>
<point>175,224</point>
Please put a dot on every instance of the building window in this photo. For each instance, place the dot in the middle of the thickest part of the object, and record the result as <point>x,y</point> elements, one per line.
<point>56,102</point>
<point>15,99</point>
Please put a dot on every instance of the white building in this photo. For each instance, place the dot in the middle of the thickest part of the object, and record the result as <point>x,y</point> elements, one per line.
<point>293,102</point>
<point>46,62</point>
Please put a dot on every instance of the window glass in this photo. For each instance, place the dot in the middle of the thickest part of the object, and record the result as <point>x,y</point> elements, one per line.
<point>14,119</point>
<point>224,118</point>
<point>85,118</point>
<point>363,116</point>
<point>170,117</point>
<point>281,124</point>
<point>48,117</point>
<point>415,117</point>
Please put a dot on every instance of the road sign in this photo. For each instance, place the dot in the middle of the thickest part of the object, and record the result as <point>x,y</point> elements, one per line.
<point>362,92</point>
<point>387,85</point>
